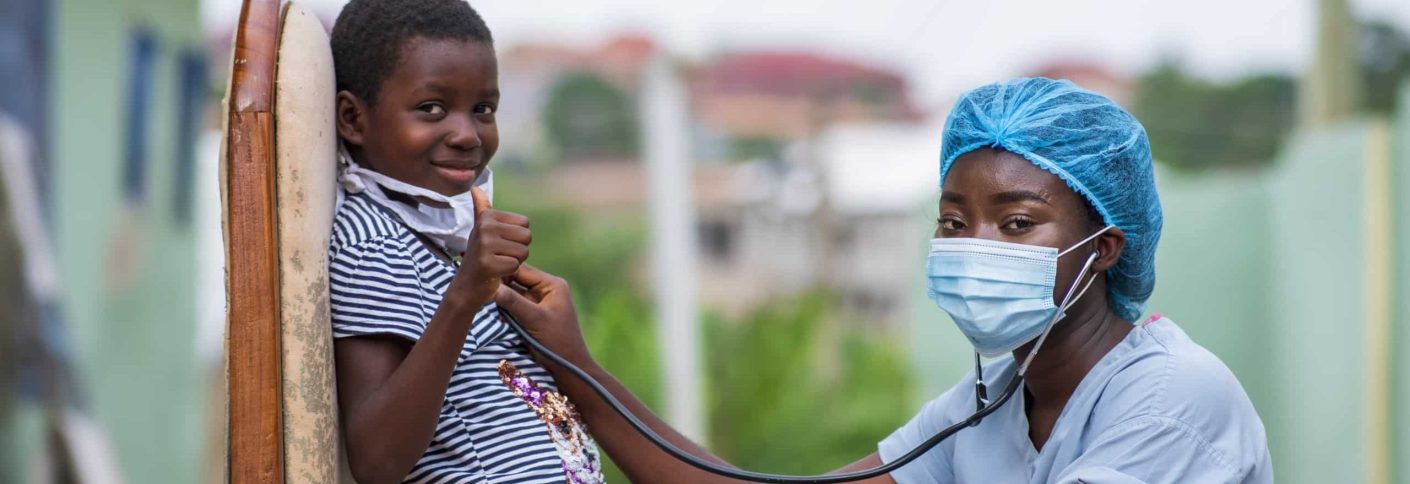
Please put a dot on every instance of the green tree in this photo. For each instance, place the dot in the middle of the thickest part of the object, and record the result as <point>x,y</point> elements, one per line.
<point>770,410</point>
<point>1384,66</point>
<point>588,117</point>
<point>1196,124</point>
<point>749,148</point>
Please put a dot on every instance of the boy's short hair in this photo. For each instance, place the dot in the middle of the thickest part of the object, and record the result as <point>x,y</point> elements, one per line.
<point>369,35</point>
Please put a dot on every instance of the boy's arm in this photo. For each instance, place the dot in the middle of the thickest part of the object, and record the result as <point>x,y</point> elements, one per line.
<point>390,390</point>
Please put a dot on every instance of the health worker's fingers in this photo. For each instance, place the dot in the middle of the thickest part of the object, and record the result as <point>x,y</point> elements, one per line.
<point>533,279</point>
<point>521,307</point>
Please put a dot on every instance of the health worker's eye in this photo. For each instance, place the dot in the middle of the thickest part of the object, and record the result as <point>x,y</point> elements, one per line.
<point>1018,223</point>
<point>951,224</point>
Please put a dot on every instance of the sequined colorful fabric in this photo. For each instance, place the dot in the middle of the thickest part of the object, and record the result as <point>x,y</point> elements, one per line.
<point>577,449</point>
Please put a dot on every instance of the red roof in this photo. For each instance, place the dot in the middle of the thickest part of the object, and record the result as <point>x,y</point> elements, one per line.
<point>629,47</point>
<point>792,73</point>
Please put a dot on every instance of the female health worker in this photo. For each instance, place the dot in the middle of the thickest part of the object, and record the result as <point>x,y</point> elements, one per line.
<point>1049,220</point>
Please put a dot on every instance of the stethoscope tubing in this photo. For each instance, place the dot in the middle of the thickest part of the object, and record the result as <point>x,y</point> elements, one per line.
<point>735,473</point>
<point>985,408</point>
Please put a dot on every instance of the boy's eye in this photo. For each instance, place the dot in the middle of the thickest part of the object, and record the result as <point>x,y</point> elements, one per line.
<point>431,108</point>
<point>484,109</point>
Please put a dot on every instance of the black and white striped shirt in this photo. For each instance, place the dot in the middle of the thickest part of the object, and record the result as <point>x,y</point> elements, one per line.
<point>385,281</point>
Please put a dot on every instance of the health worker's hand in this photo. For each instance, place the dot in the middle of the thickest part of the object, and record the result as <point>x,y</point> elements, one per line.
<point>543,304</point>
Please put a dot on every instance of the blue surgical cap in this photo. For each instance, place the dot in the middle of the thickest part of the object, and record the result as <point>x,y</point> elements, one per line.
<point>1099,149</point>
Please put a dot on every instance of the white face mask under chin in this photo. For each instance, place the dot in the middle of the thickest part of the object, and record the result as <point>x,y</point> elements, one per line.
<point>449,227</point>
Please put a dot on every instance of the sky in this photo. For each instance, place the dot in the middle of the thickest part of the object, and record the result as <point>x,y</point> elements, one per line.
<point>942,47</point>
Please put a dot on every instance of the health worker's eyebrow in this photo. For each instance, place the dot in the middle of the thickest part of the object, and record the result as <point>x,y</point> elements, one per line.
<point>1018,196</point>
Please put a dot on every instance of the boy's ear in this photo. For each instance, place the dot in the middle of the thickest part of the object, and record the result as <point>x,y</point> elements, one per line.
<point>351,117</point>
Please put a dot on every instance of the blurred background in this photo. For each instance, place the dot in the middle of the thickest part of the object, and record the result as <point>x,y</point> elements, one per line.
<point>741,193</point>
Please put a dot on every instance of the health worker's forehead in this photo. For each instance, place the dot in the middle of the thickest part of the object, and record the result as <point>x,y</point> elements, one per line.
<point>984,173</point>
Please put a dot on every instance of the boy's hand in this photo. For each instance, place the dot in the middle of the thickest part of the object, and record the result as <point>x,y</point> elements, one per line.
<point>544,306</point>
<point>497,246</point>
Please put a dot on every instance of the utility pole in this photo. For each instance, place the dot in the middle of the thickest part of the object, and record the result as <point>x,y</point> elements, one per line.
<point>1329,88</point>
<point>666,145</point>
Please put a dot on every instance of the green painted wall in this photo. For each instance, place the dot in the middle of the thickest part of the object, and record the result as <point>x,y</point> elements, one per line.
<point>131,312</point>
<point>1318,313</point>
<point>1400,404</point>
<point>1212,268</point>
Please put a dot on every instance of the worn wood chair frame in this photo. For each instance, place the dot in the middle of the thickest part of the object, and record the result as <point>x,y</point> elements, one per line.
<point>255,441</point>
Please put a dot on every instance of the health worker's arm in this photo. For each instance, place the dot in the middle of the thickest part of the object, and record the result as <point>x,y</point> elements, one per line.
<point>546,311</point>
<point>1153,449</point>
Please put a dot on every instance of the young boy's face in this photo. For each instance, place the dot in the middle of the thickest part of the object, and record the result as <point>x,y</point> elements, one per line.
<point>433,124</point>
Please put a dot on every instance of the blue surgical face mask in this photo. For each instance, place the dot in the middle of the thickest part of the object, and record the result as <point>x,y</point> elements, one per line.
<point>1000,294</point>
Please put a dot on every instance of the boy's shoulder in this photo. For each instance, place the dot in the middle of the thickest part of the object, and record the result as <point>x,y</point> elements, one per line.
<point>360,221</point>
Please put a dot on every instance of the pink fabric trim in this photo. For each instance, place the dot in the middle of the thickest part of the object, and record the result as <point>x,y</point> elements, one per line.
<point>1154,317</point>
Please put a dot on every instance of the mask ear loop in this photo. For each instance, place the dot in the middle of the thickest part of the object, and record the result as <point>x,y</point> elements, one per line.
<point>1091,260</point>
<point>1088,239</point>
<point>1067,302</point>
<point>344,158</point>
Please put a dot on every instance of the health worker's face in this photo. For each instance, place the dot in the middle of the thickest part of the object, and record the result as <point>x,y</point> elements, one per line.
<point>996,195</point>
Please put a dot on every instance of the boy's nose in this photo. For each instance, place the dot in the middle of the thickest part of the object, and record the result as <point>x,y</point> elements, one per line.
<point>464,137</point>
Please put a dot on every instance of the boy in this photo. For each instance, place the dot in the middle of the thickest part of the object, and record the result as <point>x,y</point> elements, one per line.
<point>432,385</point>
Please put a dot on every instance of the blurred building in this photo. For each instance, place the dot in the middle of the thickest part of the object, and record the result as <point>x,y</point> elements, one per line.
<point>808,167</point>
<point>791,95</point>
<point>745,103</point>
<point>532,76</point>
<point>774,228</point>
<point>1091,76</point>
<point>843,218</point>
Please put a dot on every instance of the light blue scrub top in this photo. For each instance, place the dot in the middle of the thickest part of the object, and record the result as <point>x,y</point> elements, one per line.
<point>1158,408</point>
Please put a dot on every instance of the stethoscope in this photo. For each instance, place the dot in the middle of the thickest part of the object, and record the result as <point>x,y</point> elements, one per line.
<point>983,407</point>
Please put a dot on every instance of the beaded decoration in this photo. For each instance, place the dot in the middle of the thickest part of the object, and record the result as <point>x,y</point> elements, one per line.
<point>581,463</point>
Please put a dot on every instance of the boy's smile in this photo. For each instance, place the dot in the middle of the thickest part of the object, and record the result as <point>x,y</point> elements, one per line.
<point>433,123</point>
